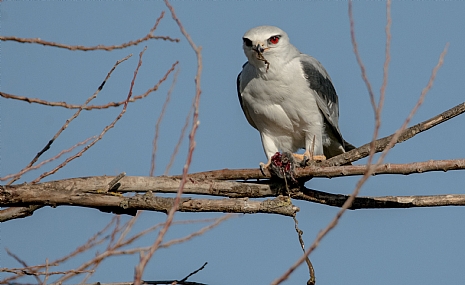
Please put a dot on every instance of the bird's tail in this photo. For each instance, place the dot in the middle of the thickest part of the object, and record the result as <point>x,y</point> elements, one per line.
<point>348,146</point>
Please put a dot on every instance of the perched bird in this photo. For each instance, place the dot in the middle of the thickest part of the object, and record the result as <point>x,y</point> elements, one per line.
<point>288,97</point>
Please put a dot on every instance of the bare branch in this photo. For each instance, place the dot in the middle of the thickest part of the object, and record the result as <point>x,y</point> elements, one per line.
<point>194,272</point>
<point>114,250</point>
<point>18,212</point>
<point>388,168</point>
<point>34,270</point>
<point>407,134</point>
<point>360,62</point>
<point>16,176</point>
<point>178,144</point>
<point>24,195</point>
<point>160,118</point>
<point>370,168</point>
<point>74,116</point>
<point>323,169</point>
<point>89,192</point>
<point>23,263</point>
<point>195,123</point>
<point>311,270</point>
<point>105,130</point>
<point>21,271</point>
<point>91,107</point>
<point>149,36</point>
<point>384,202</point>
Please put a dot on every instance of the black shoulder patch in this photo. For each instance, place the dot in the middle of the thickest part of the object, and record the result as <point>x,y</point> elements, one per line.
<point>318,82</point>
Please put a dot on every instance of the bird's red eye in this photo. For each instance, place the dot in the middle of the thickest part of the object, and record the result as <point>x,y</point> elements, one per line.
<point>274,39</point>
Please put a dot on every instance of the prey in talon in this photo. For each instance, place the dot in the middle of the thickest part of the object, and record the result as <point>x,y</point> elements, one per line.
<point>289,98</point>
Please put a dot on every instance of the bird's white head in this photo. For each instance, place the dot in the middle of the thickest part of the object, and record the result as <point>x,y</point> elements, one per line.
<point>264,45</point>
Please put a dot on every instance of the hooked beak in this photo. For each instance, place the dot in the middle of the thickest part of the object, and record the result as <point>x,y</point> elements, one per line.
<point>258,48</point>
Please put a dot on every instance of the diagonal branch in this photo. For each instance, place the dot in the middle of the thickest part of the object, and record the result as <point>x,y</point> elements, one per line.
<point>91,107</point>
<point>319,170</point>
<point>104,131</point>
<point>68,121</point>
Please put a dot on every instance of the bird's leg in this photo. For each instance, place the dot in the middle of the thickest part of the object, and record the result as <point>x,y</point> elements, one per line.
<point>270,150</point>
<point>306,157</point>
<point>309,154</point>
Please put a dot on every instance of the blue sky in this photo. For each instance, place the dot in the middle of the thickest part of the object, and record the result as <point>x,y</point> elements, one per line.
<point>389,246</point>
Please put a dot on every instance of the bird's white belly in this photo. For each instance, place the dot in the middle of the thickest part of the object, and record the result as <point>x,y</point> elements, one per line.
<point>285,114</point>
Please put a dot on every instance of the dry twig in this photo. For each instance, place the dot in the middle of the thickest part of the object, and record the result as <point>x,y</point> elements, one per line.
<point>74,116</point>
<point>91,107</point>
<point>16,176</point>
<point>157,125</point>
<point>147,37</point>
<point>370,168</point>
<point>104,131</point>
<point>148,255</point>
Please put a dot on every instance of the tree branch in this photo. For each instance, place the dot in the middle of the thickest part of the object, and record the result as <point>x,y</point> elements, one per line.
<point>91,192</point>
<point>91,107</point>
<point>27,194</point>
<point>322,169</point>
<point>407,134</point>
<point>147,37</point>
<point>384,202</point>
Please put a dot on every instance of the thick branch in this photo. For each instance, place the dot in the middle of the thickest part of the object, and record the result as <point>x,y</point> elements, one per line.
<point>92,192</point>
<point>388,168</point>
<point>329,167</point>
<point>17,212</point>
<point>338,200</point>
<point>65,192</point>
<point>381,144</point>
<point>337,171</point>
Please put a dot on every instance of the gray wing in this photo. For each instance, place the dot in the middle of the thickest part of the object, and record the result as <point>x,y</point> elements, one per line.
<point>319,80</point>
<point>246,112</point>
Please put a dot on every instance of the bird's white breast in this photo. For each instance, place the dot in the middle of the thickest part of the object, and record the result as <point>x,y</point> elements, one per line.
<point>280,103</point>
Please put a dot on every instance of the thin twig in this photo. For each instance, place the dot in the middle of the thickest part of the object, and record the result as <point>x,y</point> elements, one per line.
<point>194,272</point>
<point>90,107</point>
<point>116,249</point>
<point>350,200</point>
<point>105,130</point>
<point>91,242</point>
<point>179,240</point>
<point>311,270</point>
<point>149,36</point>
<point>332,168</point>
<point>178,144</point>
<point>74,116</point>
<point>160,118</point>
<point>22,262</point>
<point>144,260</point>
<point>25,170</point>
